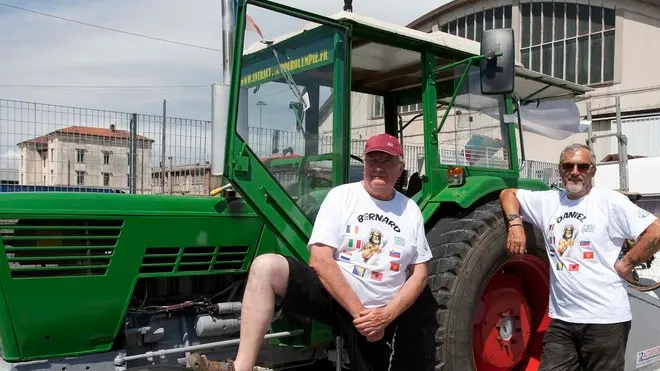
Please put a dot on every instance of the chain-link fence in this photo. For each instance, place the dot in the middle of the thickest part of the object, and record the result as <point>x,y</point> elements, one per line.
<point>47,147</point>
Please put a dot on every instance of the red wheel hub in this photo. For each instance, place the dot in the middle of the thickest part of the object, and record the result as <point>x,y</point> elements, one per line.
<point>511,316</point>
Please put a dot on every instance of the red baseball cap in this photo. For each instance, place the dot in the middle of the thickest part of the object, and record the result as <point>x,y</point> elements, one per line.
<point>384,143</point>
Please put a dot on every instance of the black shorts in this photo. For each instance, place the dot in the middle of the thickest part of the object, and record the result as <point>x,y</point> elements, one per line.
<point>589,347</point>
<point>307,297</point>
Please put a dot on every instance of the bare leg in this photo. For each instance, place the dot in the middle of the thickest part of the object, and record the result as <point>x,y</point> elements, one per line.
<point>268,277</point>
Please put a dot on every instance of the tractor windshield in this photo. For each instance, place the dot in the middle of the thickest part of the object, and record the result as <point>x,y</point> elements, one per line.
<point>473,132</point>
<point>287,78</point>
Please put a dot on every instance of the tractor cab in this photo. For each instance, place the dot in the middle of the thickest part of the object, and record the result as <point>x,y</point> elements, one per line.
<point>308,90</point>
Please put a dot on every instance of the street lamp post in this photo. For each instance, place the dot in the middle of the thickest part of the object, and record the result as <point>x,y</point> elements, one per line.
<point>261,105</point>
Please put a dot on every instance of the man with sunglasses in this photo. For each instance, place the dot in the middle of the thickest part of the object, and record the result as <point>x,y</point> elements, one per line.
<point>584,229</point>
<point>367,265</point>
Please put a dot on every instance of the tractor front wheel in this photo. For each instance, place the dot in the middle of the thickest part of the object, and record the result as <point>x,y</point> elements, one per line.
<point>490,309</point>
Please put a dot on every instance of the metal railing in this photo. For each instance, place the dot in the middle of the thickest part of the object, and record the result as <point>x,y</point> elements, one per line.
<point>79,149</point>
<point>50,147</point>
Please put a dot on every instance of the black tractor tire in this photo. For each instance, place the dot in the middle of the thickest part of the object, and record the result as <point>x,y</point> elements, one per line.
<point>468,246</point>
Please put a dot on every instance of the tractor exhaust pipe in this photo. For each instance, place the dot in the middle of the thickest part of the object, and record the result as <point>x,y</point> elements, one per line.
<point>220,92</point>
<point>220,96</point>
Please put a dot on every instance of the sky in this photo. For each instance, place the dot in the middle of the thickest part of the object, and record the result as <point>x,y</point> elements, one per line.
<point>57,62</point>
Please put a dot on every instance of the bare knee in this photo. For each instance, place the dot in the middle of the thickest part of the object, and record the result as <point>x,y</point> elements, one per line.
<point>271,268</point>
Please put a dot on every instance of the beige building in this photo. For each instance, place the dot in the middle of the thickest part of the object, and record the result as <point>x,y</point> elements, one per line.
<point>85,156</point>
<point>193,180</point>
<point>603,44</point>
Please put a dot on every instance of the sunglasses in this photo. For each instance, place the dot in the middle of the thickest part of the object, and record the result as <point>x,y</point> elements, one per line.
<point>582,167</point>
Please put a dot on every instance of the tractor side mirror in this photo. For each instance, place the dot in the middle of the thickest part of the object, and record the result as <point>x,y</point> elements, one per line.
<point>498,71</point>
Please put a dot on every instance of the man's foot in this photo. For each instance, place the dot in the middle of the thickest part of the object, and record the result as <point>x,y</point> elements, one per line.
<point>199,362</point>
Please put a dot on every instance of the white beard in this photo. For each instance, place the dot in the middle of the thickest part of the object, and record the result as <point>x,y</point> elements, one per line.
<point>574,187</point>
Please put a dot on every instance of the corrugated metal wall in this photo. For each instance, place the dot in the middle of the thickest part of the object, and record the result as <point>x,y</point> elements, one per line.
<point>643,136</point>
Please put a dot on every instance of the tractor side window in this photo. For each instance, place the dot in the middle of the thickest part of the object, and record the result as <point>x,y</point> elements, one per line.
<point>287,80</point>
<point>385,94</point>
<point>472,134</point>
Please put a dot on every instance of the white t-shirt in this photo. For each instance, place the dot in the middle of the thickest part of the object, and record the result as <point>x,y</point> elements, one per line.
<point>374,241</point>
<point>583,239</point>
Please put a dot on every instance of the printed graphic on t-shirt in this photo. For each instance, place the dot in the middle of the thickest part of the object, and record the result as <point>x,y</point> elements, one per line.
<point>373,248</point>
<point>567,240</point>
<point>567,244</point>
<point>374,256</point>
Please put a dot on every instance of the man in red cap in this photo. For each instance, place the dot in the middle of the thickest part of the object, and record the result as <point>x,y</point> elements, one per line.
<point>368,256</point>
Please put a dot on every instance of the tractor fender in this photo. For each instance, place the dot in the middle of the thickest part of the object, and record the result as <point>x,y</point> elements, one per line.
<point>478,186</point>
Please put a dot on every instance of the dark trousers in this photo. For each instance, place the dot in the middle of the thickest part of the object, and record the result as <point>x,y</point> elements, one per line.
<point>588,347</point>
<point>306,296</point>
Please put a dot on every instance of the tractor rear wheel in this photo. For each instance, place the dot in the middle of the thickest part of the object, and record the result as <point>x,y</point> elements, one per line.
<point>490,309</point>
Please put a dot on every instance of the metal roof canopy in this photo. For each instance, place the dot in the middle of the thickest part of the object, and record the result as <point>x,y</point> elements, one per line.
<point>385,57</point>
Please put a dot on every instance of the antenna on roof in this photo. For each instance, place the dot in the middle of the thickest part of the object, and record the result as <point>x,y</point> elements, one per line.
<point>348,6</point>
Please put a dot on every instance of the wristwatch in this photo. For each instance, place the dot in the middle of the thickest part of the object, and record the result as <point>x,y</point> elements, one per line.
<point>512,217</point>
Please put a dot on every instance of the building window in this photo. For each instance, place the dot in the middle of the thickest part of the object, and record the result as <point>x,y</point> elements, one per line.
<point>106,157</point>
<point>80,156</point>
<point>106,179</point>
<point>574,42</point>
<point>472,26</point>
<point>378,108</point>
<point>80,177</point>
<point>128,180</point>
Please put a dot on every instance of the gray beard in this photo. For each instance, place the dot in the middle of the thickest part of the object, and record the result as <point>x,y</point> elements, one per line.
<point>574,189</point>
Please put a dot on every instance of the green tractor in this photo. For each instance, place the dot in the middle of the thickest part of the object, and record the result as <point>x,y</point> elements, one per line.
<point>123,281</point>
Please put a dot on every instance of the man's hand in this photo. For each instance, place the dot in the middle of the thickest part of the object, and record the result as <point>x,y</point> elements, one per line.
<point>377,336</point>
<point>516,240</point>
<point>371,321</point>
<point>624,268</point>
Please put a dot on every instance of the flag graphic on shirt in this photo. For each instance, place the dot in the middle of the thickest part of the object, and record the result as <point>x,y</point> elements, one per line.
<point>354,242</point>
<point>588,254</point>
<point>399,241</point>
<point>560,266</point>
<point>574,267</point>
<point>395,267</point>
<point>584,243</point>
<point>552,227</point>
<point>358,271</point>
<point>551,240</point>
<point>352,229</point>
<point>377,276</point>
<point>395,254</point>
<point>345,256</point>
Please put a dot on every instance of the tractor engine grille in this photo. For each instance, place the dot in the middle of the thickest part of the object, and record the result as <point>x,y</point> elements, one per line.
<point>193,259</point>
<point>59,247</point>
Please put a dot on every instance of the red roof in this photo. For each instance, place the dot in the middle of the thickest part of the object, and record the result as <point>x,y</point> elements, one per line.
<point>89,131</point>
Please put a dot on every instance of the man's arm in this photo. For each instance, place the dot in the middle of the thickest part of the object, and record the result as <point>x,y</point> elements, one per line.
<point>516,243</point>
<point>409,292</point>
<point>645,248</point>
<point>322,262</point>
<point>510,203</point>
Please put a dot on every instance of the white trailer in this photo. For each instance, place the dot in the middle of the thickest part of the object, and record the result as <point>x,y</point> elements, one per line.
<point>640,180</point>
